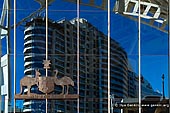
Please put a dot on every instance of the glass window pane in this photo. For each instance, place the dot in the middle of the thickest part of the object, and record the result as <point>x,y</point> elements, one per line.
<point>154,54</point>
<point>78,48</point>
<point>94,56</point>
<point>124,31</point>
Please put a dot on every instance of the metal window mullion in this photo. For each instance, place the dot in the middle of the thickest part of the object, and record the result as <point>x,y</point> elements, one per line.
<point>8,49</point>
<point>78,54</point>
<point>108,56</point>
<point>139,52</point>
<point>46,55</point>
<point>46,30</point>
<point>169,53</point>
<point>14,53</point>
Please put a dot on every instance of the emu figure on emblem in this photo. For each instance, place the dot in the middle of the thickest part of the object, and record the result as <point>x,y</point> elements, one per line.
<point>64,81</point>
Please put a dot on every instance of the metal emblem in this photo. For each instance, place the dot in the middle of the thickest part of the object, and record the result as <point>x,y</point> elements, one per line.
<point>46,64</point>
<point>29,82</point>
<point>46,84</point>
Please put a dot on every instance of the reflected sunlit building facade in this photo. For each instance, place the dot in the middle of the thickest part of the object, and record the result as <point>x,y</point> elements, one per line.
<point>141,28</point>
<point>62,50</point>
<point>133,86</point>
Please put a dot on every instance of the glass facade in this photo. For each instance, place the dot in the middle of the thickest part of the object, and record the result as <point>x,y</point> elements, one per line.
<point>84,56</point>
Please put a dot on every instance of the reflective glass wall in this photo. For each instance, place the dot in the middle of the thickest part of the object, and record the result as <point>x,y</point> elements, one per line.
<point>84,56</point>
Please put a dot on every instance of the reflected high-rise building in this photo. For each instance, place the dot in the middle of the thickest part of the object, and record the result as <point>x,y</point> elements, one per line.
<point>62,51</point>
<point>133,86</point>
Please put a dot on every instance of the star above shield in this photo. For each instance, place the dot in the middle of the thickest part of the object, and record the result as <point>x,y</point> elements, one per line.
<point>46,64</point>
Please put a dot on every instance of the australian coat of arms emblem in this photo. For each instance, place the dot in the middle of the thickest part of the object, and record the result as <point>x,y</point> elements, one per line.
<point>46,85</point>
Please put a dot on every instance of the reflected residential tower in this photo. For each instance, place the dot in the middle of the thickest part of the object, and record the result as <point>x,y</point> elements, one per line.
<point>62,51</point>
<point>5,75</point>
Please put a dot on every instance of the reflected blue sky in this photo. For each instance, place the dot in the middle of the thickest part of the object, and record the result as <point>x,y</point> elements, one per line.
<point>154,43</point>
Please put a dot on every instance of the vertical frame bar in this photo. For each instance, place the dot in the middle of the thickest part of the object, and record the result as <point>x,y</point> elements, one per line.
<point>14,54</point>
<point>139,50</point>
<point>169,53</point>
<point>78,53</point>
<point>108,56</point>
<point>8,51</point>
<point>46,55</point>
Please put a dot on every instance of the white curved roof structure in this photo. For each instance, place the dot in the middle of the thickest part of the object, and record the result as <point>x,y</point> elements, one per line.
<point>154,12</point>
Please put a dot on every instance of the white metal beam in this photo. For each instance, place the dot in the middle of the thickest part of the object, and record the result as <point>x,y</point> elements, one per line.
<point>5,75</point>
<point>145,15</point>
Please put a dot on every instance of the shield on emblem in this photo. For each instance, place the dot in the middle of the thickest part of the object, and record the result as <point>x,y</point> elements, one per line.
<point>46,84</point>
